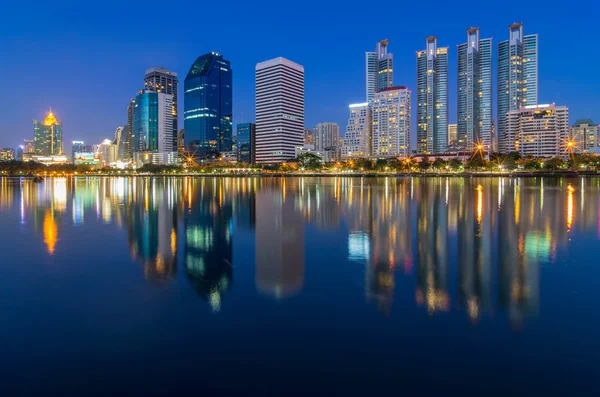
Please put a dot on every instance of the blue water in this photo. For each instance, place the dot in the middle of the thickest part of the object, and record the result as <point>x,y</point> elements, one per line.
<point>291,286</point>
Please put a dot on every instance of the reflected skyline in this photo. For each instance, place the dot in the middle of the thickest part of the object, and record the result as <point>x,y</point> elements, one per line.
<point>471,246</point>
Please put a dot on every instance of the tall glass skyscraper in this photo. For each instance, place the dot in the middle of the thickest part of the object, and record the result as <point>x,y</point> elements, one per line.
<point>474,91</point>
<point>432,98</point>
<point>517,80</point>
<point>208,106</point>
<point>379,67</point>
<point>47,136</point>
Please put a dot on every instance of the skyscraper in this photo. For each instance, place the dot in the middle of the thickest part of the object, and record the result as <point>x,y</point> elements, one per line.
<point>128,153</point>
<point>163,80</point>
<point>246,137</point>
<point>357,140</point>
<point>390,112</point>
<point>208,106</point>
<point>379,68</point>
<point>308,137</point>
<point>432,98</point>
<point>517,80</point>
<point>541,130</point>
<point>327,136</point>
<point>279,110</point>
<point>153,126</point>
<point>47,136</point>
<point>475,91</point>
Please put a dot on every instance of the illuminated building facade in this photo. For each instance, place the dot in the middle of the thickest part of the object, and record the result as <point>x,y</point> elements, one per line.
<point>308,137</point>
<point>540,131</point>
<point>279,110</point>
<point>584,134</point>
<point>379,68</point>
<point>208,106</point>
<point>129,140</point>
<point>165,81</point>
<point>246,142</point>
<point>453,135</point>
<point>475,91</point>
<point>432,98</point>
<point>7,154</point>
<point>357,140</point>
<point>47,136</point>
<point>517,81</point>
<point>390,130</point>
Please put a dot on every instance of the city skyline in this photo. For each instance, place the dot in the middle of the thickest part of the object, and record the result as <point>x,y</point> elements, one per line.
<point>327,95</point>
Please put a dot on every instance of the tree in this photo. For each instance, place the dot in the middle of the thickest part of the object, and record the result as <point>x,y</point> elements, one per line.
<point>309,161</point>
<point>425,164</point>
<point>456,164</point>
<point>554,163</point>
<point>439,164</point>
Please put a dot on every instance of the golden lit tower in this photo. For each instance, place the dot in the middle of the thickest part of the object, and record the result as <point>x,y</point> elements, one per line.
<point>47,136</point>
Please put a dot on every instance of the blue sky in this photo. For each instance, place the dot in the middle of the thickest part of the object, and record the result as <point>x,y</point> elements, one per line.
<point>87,59</point>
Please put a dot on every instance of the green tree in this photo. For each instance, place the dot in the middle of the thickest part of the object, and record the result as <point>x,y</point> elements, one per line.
<point>439,164</point>
<point>309,161</point>
<point>425,164</point>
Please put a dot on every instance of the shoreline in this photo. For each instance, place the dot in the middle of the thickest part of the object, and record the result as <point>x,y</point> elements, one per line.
<point>329,175</point>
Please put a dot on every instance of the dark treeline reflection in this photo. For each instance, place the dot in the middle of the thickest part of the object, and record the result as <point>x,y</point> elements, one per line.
<point>473,245</point>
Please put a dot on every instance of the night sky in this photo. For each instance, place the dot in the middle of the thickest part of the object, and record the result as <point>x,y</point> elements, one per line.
<point>87,59</point>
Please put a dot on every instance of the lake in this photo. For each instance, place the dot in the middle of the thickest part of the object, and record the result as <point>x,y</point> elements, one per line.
<point>347,285</point>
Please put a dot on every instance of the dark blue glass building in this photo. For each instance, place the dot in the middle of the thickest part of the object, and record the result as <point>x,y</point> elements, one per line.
<point>245,142</point>
<point>208,106</point>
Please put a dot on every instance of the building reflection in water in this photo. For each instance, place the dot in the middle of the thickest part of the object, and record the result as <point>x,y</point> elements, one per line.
<point>208,238</point>
<point>432,245</point>
<point>279,239</point>
<point>473,245</point>
<point>152,218</point>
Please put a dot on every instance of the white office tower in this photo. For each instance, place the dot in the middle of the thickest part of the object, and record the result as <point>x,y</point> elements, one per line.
<point>379,69</point>
<point>517,80</point>
<point>357,140</point>
<point>540,130</point>
<point>279,110</point>
<point>166,143</point>
<point>474,92</point>
<point>390,131</point>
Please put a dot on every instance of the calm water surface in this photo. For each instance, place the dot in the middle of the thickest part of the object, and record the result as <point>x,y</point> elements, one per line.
<point>289,286</point>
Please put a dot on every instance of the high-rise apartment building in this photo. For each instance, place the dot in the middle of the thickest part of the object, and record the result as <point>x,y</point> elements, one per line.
<point>279,110</point>
<point>153,125</point>
<point>379,69</point>
<point>246,142</point>
<point>129,142</point>
<point>517,80</point>
<point>390,131</point>
<point>208,106</point>
<point>475,91</point>
<point>327,136</point>
<point>165,81</point>
<point>432,98</point>
<point>540,130</point>
<point>584,134</point>
<point>47,136</point>
<point>357,140</point>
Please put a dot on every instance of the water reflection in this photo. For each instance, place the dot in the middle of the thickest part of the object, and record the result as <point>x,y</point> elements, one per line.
<point>474,246</point>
